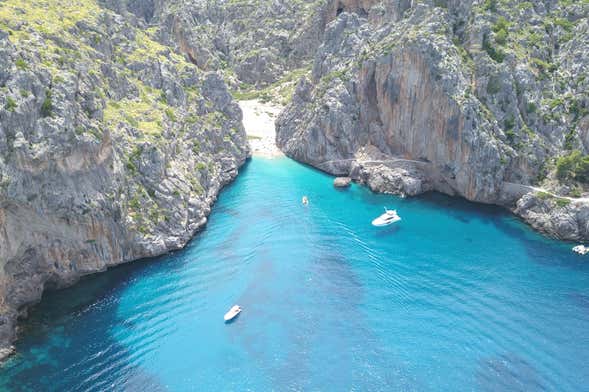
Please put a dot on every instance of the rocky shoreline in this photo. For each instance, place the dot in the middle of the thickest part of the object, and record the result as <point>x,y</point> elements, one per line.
<point>559,218</point>
<point>29,291</point>
<point>402,103</point>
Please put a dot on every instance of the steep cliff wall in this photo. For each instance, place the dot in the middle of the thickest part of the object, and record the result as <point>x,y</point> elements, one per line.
<point>254,42</point>
<point>112,145</point>
<point>467,98</point>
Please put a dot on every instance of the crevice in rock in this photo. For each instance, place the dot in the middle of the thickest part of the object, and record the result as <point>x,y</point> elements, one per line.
<point>144,9</point>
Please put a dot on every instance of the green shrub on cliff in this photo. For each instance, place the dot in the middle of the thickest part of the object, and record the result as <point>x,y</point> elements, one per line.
<point>47,106</point>
<point>500,24</point>
<point>501,37</point>
<point>490,5</point>
<point>496,54</point>
<point>21,64</point>
<point>573,166</point>
<point>500,28</point>
<point>10,104</point>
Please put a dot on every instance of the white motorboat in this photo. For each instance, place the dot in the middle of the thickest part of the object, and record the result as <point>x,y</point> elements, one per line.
<point>389,217</point>
<point>232,313</point>
<point>581,249</point>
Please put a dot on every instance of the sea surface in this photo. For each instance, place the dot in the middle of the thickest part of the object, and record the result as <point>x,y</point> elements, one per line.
<point>455,297</point>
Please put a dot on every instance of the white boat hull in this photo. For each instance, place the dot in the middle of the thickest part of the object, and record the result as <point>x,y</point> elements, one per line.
<point>379,222</point>
<point>232,313</point>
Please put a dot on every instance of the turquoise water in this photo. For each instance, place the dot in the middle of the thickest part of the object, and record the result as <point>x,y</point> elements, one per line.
<point>454,297</point>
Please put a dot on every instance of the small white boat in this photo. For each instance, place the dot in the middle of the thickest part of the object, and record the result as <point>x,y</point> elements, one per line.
<point>232,313</point>
<point>389,217</point>
<point>581,249</point>
<point>305,200</point>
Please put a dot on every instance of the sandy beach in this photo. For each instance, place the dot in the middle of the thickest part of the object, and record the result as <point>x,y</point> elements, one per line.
<point>258,120</point>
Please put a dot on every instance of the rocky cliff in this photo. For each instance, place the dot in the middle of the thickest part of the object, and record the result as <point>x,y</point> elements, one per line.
<point>482,99</point>
<point>113,144</point>
<point>254,42</point>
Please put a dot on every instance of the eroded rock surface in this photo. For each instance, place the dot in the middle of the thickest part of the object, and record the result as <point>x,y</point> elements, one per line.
<point>342,182</point>
<point>257,41</point>
<point>568,220</point>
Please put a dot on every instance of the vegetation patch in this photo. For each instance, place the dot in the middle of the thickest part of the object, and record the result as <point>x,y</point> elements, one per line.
<point>47,105</point>
<point>496,54</point>
<point>573,166</point>
<point>279,92</point>
<point>10,104</point>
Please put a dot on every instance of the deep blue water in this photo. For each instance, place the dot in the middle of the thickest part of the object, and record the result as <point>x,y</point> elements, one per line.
<point>456,296</point>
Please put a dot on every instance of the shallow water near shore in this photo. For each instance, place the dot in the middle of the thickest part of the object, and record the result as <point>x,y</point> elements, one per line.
<point>456,296</point>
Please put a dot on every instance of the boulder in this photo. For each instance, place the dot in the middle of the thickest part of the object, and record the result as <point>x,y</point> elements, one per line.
<point>342,182</point>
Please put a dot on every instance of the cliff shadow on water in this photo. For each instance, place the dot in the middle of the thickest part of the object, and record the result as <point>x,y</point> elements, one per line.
<point>539,247</point>
<point>65,327</point>
<point>53,336</point>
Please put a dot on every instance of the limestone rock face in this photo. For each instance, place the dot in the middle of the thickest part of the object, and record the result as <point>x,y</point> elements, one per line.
<point>569,222</point>
<point>258,40</point>
<point>112,146</point>
<point>465,98</point>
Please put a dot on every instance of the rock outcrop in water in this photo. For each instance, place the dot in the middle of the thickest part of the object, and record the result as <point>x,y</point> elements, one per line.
<point>342,182</point>
<point>113,146</point>
<point>473,98</point>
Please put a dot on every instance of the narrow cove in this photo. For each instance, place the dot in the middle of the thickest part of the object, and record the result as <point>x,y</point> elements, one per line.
<point>456,296</point>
